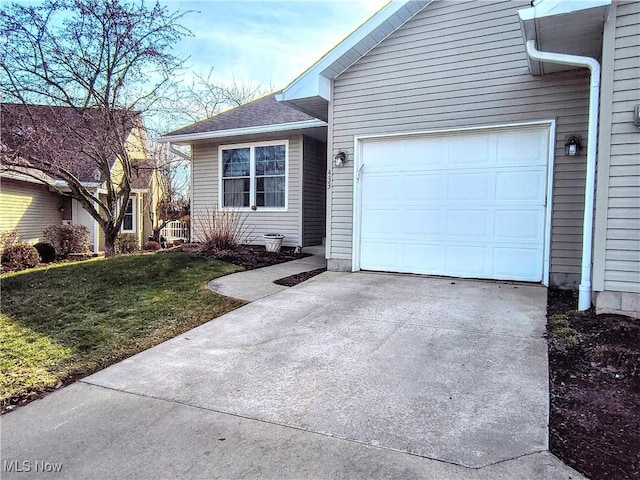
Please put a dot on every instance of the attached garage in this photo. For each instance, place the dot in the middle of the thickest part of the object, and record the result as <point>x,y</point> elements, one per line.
<point>471,203</point>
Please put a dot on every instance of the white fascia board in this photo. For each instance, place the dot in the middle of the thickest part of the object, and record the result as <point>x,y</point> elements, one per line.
<point>63,184</point>
<point>548,8</point>
<point>279,127</point>
<point>22,178</point>
<point>312,82</point>
<point>44,181</point>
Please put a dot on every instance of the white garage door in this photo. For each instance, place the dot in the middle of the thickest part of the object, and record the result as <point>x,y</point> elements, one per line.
<point>465,205</point>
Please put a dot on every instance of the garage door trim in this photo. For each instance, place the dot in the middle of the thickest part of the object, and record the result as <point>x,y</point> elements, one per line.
<point>359,140</point>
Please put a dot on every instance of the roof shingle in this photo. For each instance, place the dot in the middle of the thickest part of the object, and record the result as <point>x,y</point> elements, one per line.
<point>260,112</point>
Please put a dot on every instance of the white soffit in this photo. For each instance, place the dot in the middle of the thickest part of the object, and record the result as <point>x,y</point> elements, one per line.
<point>311,91</point>
<point>564,26</point>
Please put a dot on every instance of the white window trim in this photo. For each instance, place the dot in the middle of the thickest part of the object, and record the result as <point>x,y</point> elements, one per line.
<point>252,176</point>
<point>134,209</point>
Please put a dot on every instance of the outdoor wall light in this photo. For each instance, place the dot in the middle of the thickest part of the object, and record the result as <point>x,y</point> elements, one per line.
<point>572,145</point>
<point>340,158</point>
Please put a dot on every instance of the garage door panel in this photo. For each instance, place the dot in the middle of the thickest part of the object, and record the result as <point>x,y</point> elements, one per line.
<point>383,221</point>
<point>510,263</point>
<point>381,188</point>
<point>521,185</point>
<point>481,155</point>
<point>520,225</point>
<point>407,152</point>
<point>469,186</point>
<point>423,187</point>
<point>423,222</point>
<point>477,210</point>
<point>428,256</point>
<point>468,224</point>
<point>521,147</point>
<point>466,260</point>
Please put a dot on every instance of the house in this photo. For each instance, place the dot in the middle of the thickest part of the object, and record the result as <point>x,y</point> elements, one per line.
<point>265,160</point>
<point>31,200</point>
<point>457,145</point>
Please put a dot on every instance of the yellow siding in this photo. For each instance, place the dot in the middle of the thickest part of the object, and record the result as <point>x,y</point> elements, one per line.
<point>28,208</point>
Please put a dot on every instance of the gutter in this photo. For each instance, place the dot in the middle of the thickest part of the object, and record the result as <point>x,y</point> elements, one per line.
<point>278,127</point>
<point>177,152</point>
<point>585,288</point>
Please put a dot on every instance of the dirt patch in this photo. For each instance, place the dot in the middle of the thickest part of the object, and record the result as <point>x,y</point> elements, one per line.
<point>594,370</point>
<point>293,280</point>
<point>248,256</point>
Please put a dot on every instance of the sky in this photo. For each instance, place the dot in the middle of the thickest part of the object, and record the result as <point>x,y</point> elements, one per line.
<point>265,42</point>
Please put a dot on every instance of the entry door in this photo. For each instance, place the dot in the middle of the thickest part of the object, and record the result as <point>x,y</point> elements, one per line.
<point>463,205</point>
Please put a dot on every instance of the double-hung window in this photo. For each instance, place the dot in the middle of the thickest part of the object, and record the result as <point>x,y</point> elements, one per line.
<point>128,223</point>
<point>254,175</point>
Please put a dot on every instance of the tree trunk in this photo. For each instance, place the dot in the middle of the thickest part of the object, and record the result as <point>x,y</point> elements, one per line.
<point>110,244</point>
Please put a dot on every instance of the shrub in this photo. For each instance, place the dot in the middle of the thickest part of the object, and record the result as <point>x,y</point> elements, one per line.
<point>46,250</point>
<point>8,239</point>
<point>68,239</point>
<point>152,245</point>
<point>126,243</point>
<point>20,256</point>
<point>221,229</point>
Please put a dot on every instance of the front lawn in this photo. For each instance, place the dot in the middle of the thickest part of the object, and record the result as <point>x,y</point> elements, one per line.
<point>65,322</point>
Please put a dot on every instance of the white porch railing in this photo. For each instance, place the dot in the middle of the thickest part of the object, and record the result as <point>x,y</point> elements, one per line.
<point>175,230</point>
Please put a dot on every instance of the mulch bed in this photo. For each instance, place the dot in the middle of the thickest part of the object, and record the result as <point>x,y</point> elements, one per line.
<point>248,256</point>
<point>293,280</point>
<point>594,369</point>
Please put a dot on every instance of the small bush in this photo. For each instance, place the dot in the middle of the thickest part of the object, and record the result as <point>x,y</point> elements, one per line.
<point>68,239</point>
<point>152,245</point>
<point>221,229</point>
<point>8,239</point>
<point>46,250</point>
<point>20,256</point>
<point>126,243</point>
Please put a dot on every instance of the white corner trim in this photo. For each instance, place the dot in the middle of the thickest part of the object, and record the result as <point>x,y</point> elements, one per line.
<point>279,127</point>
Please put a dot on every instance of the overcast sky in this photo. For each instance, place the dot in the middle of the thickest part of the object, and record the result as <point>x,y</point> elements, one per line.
<point>267,42</point>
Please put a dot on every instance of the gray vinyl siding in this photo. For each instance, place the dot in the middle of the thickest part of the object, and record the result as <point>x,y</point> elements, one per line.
<point>461,64</point>
<point>205,195</point>
<point>622,222</point>
<point>28,208</point>
<point>314,194</point>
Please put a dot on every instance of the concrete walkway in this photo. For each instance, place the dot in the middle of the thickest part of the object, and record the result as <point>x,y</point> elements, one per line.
<point>252,285</point>
<point>343,376</point>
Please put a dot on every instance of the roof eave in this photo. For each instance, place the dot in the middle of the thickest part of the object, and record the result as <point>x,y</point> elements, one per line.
<point>187,138</point>
<point>544,12</point>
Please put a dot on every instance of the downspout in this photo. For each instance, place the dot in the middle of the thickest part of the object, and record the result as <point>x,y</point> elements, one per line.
<point>584,298</point>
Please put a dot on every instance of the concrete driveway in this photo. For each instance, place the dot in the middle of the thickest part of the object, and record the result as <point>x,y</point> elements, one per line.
<point>344,376</point>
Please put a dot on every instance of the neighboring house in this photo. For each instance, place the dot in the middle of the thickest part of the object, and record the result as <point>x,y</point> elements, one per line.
<point>264,159</point>
<point>31,201</point>
<point>453,151</point>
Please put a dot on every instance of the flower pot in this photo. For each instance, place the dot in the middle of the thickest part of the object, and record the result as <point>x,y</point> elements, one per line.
<point>273,242</point>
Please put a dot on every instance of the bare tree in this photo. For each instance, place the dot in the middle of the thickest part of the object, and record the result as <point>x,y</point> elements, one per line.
<point>171,199</point>
<point>105,62</point>
<point>203,97</point>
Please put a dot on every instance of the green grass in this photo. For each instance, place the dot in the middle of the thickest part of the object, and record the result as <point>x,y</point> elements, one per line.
<point>68,321</point>
<point>560,329</point>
